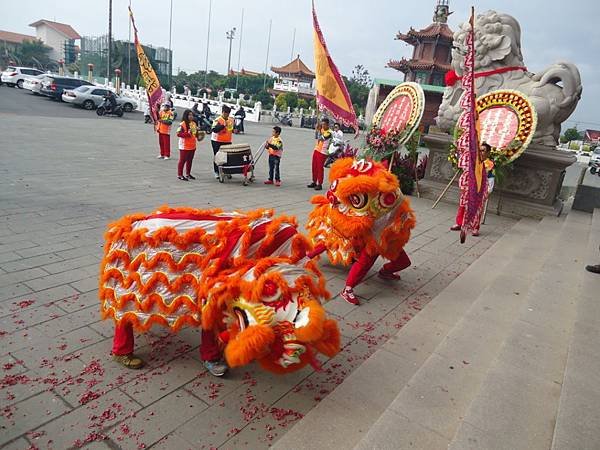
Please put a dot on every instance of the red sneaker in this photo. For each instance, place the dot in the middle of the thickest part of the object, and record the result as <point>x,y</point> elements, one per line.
<point>455,228</point>
<point>268,181</point>
<point>388,276</point>
<point>278,183</point>
<point>476,233</point>
<point>348,295</point>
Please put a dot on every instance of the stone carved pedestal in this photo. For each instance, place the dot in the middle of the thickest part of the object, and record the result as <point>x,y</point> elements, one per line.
<point>531,189</point>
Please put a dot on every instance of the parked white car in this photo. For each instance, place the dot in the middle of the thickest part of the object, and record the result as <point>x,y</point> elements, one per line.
<point>34,83</point>
<point>90,97</point>
<point>16,76</point>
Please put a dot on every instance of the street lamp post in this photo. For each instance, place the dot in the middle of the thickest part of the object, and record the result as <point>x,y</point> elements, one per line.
<point>230,37</point>
<point>267,58</point>
<point>207,43</point>
<point>237,78</point>
<point>108,56</point>
<point>170,51</point>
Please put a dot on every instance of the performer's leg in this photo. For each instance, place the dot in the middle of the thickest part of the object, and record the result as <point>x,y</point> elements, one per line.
<point>161,145</point>
<point>123,341</point>
<point>211,354</point>
<point>357,272</point>
<point>388,272</point>
<point>320,168</point>
<point>181,162</point>
<point>314,169</point>
<point>190,158</point>
<point>215,146</point>
<point>122,350</point>
<point>167,143</point>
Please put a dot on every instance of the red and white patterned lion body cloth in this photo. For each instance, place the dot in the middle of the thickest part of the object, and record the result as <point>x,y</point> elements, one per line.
<point>244,276</point>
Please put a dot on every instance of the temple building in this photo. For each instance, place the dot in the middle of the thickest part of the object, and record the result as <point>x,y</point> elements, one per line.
<point>294,77</point>
<point>431,58</point>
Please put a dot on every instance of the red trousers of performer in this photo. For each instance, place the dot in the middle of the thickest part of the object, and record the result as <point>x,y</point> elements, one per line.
<point>164,142</point>
<point>123,343</point>
<point>460,217</point>
<point>185,159</point>
<point>365,261</point>
<point>318,167</point>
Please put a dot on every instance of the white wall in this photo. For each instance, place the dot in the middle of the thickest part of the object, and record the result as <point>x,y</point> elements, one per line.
<point>53,39</point>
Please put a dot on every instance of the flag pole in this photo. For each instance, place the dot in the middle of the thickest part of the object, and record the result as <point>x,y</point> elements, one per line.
<point>268,49</point>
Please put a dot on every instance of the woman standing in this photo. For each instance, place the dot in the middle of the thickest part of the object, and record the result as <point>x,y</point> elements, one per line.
<point>188,134</point>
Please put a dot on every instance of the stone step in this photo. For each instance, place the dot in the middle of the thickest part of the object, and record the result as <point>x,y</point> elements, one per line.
<point>517,402</point>
<point>342,418</point>
<point>430,408</point>
<point>578,418</point>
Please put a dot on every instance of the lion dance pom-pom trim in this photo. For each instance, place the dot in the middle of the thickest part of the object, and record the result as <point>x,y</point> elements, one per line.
<point>243,275</point>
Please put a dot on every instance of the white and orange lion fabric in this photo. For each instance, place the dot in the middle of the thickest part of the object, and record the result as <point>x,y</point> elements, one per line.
<point>244,276</point>
<point>364,215</point>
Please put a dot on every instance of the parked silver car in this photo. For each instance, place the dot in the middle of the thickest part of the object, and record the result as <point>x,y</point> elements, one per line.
<point>90,97</point>
<point>34,84</point>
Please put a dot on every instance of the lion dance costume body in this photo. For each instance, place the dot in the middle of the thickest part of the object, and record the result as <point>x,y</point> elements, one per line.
<point>244,278</point>
<point>363,216</point>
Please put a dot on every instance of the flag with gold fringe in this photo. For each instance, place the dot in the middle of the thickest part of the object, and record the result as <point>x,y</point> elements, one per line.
<point>472,182</point>
<point>332,94</point>
<point>151,81</point>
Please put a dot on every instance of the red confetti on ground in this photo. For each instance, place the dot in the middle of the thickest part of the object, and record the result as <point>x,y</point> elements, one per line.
<point>88,396</point>
<point>92,437</point>
<point>24,303</point>
<point>35,434</point>
<point>3,333</point>
<point>8,366</point>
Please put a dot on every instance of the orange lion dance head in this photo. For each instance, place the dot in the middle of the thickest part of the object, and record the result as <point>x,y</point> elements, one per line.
<point>364,207</point>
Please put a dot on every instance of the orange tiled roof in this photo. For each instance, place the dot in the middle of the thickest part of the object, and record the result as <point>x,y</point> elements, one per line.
<point>62,28</point>
<point>296,66</point>
<point>15,38</point>
<point>404,65</point>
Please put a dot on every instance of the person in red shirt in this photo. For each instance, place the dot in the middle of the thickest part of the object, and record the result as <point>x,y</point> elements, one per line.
<point>323,135</point>
<point>188,134</point>
<point>163,128</point>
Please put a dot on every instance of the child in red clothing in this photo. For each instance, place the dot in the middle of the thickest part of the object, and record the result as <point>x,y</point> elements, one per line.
<point>163,128</point>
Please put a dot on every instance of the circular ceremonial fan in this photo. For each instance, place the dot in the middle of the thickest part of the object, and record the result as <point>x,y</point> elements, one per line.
<point>401,110</point>
<point>507,121</point>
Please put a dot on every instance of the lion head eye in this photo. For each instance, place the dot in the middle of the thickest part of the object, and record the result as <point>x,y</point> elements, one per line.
<point>358,201</point>
<point>387,199</point>
<point>334,185</point>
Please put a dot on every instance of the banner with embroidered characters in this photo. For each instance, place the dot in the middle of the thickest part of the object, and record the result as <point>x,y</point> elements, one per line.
<point>148,74</point>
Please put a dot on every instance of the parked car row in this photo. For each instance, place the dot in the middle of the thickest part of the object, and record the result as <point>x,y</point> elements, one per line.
<point>67,89</point>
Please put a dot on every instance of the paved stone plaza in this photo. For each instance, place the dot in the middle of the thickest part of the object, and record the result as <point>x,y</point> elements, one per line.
<point>65,174</point>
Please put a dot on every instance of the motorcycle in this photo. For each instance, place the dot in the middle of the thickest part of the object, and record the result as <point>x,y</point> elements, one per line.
<point>106,110</point>
<point>339,149</point>
<point>283,119</point>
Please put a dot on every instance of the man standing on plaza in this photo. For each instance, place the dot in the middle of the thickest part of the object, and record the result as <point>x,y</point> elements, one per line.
<point>323,135</point>
<point>222,130</point>
<point>163,127</point>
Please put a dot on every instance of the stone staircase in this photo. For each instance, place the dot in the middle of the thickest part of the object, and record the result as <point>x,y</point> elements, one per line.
<point>506,357</point>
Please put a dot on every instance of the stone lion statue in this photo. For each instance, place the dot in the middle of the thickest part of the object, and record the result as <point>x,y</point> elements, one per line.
<point>554,92</point>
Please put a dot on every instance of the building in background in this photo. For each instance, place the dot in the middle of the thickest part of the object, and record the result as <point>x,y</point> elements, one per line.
<point>591,137</point>
<point>94,50</point>
<point>294,77</point>
<point>9,42</point>
<point>60,37</point>
<point>431,58</point>
<point>244,72</point>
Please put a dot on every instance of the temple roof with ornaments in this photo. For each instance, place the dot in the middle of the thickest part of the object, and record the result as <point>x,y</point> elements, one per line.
<point>296,67</point>
<point>434,31</point>
<point>403,65</point>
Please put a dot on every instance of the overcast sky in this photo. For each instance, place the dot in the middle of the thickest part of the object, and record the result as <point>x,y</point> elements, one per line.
<point>357,32</point>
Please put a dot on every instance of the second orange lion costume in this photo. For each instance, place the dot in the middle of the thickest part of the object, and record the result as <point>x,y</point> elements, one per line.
<point>364,215</point>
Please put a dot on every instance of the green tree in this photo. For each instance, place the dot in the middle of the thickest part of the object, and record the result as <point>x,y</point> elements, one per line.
<point>280,102</point>
<point>33,53</point>
<point>265,98</point>
<point>572,134</point>
<point>361,76</point>
<point>291,99</point>
<point>302,104</point>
